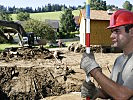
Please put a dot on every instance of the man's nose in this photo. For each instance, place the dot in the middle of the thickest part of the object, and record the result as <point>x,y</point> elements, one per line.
<point>112,35</point>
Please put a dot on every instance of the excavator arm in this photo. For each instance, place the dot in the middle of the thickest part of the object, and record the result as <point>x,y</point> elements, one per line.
<point>18,27</point>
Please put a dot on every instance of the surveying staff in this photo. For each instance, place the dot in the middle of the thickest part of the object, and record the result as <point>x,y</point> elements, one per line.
<point>120,84</point>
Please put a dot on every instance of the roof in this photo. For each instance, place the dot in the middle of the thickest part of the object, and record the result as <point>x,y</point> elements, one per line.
<point>53,23</point>
<point>96,14</point>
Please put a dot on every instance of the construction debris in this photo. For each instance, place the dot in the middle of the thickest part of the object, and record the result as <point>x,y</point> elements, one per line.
<point>76,47</point>
<point>25,53</point>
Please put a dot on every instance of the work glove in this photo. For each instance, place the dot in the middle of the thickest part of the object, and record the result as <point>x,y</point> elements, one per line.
<point>88,62</point>
<point>88,89</point>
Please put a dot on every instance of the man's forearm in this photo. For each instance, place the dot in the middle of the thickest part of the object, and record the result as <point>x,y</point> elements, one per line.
<point>113,89</point>
<point>102,94</point>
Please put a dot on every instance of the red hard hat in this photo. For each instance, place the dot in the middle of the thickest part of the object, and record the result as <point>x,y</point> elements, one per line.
<point>121,17</point>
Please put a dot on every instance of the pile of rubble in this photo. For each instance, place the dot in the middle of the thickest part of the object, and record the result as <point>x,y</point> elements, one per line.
<point>76,47</point>
<point>79,48</point>
<point>20,53</point>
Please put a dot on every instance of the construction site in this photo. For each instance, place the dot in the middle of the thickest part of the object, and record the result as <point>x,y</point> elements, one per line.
<point>34,72</point>
<point>39,73</point>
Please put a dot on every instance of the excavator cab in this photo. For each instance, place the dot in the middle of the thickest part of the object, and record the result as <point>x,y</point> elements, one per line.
<point>30,39</point>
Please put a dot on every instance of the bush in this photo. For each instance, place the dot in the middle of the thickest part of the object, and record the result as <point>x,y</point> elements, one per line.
<point>2,40</point>
<point>40,29</point>
<point>23,16</point>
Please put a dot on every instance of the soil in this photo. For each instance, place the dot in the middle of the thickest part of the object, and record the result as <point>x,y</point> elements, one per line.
<point>39,75</point>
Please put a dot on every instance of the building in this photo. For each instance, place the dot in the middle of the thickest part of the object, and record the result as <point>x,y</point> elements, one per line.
<point>53,23</point>
<point>99,20</point>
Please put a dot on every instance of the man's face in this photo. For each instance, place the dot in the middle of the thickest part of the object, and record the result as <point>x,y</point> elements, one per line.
<point>119,37</point>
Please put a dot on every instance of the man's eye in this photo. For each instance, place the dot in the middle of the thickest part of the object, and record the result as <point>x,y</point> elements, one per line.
<point>112,31</point>
<point>116,31</point>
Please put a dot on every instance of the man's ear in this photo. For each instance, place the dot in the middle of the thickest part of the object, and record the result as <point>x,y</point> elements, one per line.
<point>131,31</point>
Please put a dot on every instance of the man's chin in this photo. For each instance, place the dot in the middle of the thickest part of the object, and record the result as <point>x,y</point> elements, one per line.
<point>114,45</point>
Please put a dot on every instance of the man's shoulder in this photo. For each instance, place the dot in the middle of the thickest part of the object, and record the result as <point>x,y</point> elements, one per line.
<point>121,56</point>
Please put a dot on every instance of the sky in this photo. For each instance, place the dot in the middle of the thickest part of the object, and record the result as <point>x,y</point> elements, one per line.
<point>40,3</point>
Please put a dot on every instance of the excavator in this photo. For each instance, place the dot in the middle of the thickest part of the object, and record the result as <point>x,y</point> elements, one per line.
<point>20,30</point>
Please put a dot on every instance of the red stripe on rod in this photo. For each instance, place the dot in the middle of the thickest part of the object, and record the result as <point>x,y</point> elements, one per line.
<point>87,40</point>
<point>88,98</point>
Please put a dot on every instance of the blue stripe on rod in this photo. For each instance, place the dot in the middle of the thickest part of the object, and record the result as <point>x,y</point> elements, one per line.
<point>88,11</point>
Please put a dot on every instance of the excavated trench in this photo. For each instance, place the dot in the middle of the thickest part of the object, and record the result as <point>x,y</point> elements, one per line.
<point>34,82</point>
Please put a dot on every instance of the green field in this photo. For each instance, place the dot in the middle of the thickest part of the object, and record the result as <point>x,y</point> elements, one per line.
<point>3,46</point>
<point>47,15</point>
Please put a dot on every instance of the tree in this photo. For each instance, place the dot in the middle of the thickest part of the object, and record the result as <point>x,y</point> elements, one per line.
<point>127,5</point>
<point>67,22</point>
<point>40,29</point>
<point>49,7</point>
<point>29,9</point>
<point>63,7</point>
<point>112,7</point>
<point>98,5</point>
<point>2,8</point>
<point>79,7</point>
<point>39,9</point>
<point>5,16</point>
<point>23,16</point>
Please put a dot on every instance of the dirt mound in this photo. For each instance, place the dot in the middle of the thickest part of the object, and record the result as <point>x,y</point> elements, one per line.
<point>20,53</point>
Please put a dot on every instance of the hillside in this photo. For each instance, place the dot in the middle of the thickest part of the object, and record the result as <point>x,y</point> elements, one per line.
<point>47,15</point>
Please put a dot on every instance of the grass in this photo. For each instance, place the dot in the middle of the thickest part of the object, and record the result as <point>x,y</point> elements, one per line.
<point>3,46</point>
<point>68,43</point>
<point>47,15</point>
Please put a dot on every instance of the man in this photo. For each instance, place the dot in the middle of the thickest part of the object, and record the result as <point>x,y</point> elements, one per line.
<point>120,84</point>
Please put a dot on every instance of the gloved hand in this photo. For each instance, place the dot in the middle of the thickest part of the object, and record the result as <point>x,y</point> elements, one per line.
<point>88,89</point>
<point>88,62</point>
